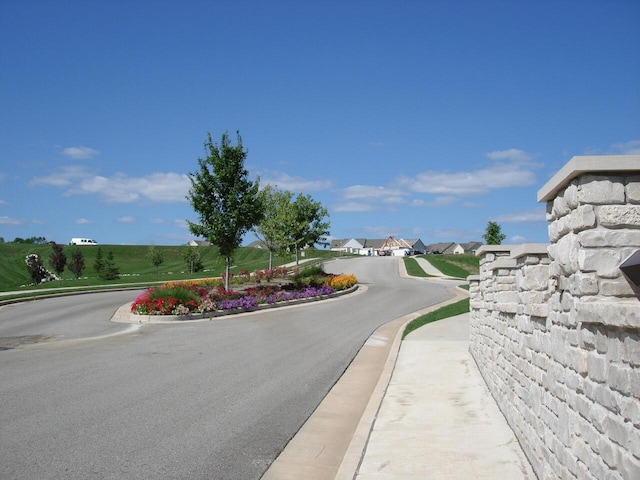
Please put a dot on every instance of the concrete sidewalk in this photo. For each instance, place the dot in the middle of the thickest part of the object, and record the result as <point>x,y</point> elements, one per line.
<point>437,419</point>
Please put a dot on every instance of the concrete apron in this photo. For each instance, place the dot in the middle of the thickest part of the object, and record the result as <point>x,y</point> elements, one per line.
<point>331,443</point>
<point>446,424</point>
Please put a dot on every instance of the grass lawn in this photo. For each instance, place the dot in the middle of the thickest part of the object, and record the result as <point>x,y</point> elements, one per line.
<point>458,266</point>
<point>133,263</point>
<point>445,312</point>
<point>413,268</point>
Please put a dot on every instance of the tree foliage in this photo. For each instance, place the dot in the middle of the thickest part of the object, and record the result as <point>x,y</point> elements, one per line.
<point>192,257</point>
<point>76,264</point>
<point>223,197</point>
<point>493,234</point>
<point>57,258</point>
<point>278,215</point>
<point>98,263</point>
<point>289,225</point>
<point>110,271</point>
<point>156,257</point>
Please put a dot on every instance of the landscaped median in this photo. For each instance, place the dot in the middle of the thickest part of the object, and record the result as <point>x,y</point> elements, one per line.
<point>194,300</point>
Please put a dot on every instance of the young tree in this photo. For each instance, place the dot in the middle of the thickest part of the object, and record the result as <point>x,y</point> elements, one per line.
<point>192,257</point>
<point>308,225</point>
<point>156,257</point>
<point>493,234</point>
<point>278,215</point>
<point>98,264</point>
<point>224,198</point>
<point>76,264</point>
<point>110,271</point>
<point>57,258</point>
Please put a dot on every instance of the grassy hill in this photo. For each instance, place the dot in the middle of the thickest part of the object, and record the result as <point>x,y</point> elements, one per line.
<point>133,263</point>
<point>460,266</point>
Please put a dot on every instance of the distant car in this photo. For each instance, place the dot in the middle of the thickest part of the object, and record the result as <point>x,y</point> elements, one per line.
<point>82,241</point>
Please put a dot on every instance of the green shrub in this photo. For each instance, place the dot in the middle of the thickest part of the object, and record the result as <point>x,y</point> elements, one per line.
<point>183,294</point>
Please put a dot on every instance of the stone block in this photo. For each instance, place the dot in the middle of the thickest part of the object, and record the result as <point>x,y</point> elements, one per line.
<point>583,218</point>
<point>619,216</point>
<point>628,466</point>
<point>601,260</point>
<point>584,284</point>
<point>632,189</point>
<point>560,207</point>
<point>618,377</point>
<point>600,190</point>
<point>618,287</point>
<point>609,238</point>
<point>566,253</point>
<point>534,277</point>
<point>630,349</point>
<point>619,314</point>
<point>597,368</point>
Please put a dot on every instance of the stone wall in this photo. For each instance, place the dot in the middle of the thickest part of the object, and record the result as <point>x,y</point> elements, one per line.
<point>555,328</point>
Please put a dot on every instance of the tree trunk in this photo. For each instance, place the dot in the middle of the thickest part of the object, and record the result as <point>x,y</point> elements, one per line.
<point>226,272</point>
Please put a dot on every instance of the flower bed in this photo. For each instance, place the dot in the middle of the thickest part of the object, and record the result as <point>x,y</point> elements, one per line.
<point>183,298</point>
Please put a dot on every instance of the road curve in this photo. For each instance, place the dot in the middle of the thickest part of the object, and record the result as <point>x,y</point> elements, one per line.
<point>216,399</point>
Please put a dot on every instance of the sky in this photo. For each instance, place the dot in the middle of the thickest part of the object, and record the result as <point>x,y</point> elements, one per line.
<point>414,119</point>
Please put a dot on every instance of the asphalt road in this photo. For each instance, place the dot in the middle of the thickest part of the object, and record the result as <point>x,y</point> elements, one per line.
<point>83,398</point>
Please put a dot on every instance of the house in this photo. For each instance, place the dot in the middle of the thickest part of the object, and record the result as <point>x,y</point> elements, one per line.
<point>453,248</point>
<point>376,246</point>
<point>199,243</point>
<point>471,247</point>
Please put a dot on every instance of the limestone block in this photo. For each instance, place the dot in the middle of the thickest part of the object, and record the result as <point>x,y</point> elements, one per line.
<point>618,377</point>
<point>609,238</point>
<point>597,367</point>
<point>630,352</point>
<point>571,194</point>
<point>582,218</point>
<point>618,287</point>
<point>632,189</point>
<point>566,253</point>
<point>629,467</point>
<point>560,207</point>
<point>584,284</point>
<point>600,190</point>
<point>601,260</point>
<point>536,309</point>
<point>619,216</point>
<point>559,228</point>
<point>534,277</point>
<point>619,314</point>
<point>533,297</point>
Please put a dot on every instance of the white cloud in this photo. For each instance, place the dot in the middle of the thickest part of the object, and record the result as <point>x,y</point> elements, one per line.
<point>512,154</point>
<point>3,202</point>
<point>80,153</point>
<point>628,148</point>
<point>353,207</point>
<point>156,220</point>
<point>283,181</point>
<point>63,178</point>
<point>468,183</point>
<point>517,239</point>
<point>537,215</point>
<point>155,188</point>
<point>82,221</point>
<point>11,222</point>
<point>126,219</point>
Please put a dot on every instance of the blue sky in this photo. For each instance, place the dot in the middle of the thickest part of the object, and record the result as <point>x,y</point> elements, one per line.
<point>418,119</point>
